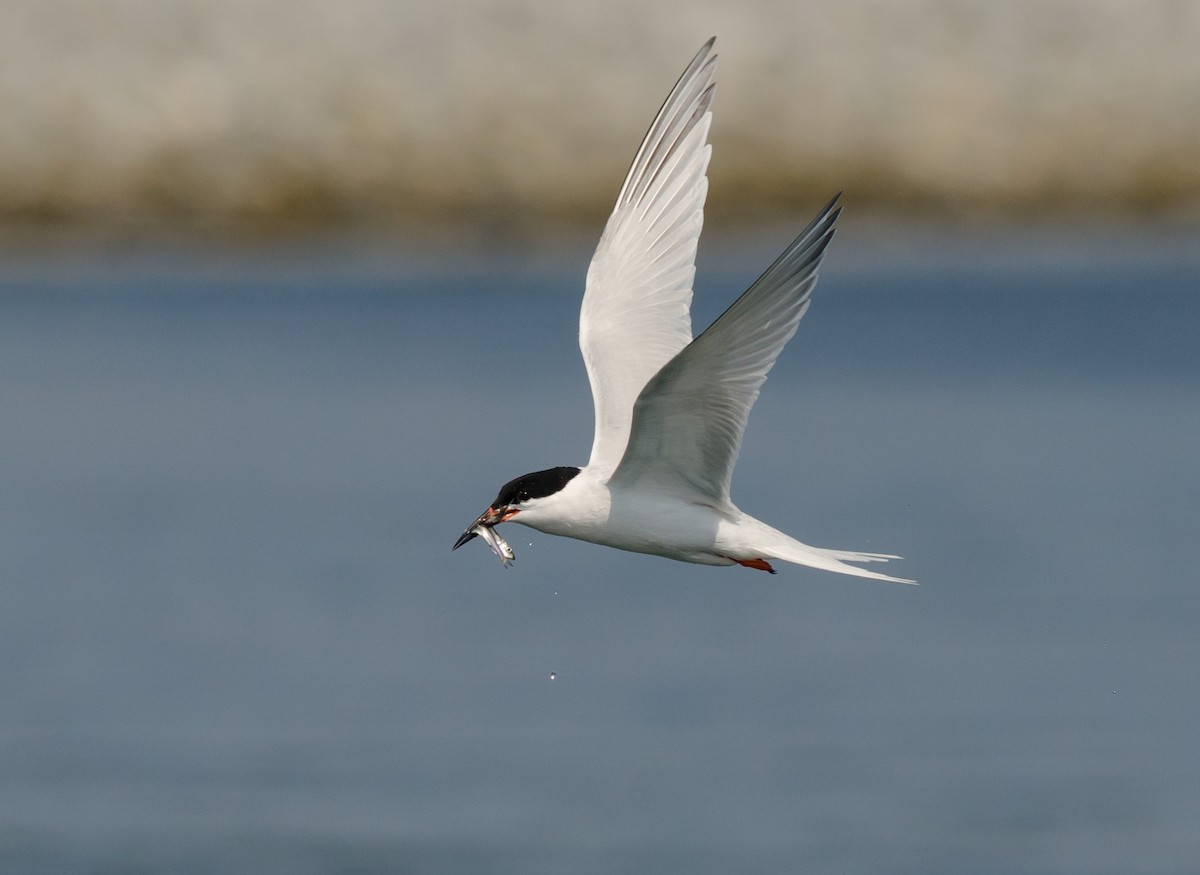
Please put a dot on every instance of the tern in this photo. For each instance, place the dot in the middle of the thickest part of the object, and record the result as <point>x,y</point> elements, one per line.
<point>670,410</point>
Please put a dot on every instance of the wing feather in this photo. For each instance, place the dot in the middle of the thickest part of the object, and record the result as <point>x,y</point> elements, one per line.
<point>689,420</point>
<point>636,312</point>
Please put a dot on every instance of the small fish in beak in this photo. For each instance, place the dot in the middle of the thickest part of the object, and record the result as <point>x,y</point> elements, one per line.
<point>483,528</point>
<point>499,546</point>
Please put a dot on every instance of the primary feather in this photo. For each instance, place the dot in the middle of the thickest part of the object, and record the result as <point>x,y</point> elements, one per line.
<point>636,307</point>
<point>689,420</point>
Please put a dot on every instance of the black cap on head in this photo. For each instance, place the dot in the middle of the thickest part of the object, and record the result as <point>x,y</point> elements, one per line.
<point>536,485</point>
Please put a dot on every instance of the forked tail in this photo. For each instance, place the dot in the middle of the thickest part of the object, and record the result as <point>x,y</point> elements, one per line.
<point>837,560</point>
<point>790,550</point>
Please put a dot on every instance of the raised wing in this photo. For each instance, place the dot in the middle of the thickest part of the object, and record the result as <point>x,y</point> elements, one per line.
<point>636,309</point>
<point>689,420</point>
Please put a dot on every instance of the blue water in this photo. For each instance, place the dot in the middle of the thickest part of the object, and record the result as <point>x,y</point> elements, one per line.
<point>233,638</point>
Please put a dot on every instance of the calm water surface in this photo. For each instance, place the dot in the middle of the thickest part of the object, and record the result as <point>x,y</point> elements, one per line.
<point>234,639</point>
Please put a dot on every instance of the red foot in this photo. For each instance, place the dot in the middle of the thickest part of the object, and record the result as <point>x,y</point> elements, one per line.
<point>756,564</point>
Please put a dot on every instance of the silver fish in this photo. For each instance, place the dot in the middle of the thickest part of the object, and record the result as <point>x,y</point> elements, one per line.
<point>498,545</point>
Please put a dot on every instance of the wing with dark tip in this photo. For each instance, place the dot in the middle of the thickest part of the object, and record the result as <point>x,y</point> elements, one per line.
<point>636,309</point>
<point>689,420</point>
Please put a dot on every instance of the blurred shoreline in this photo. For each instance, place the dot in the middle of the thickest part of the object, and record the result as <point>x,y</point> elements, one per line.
<point>271,116</point>
<point>870,241</point>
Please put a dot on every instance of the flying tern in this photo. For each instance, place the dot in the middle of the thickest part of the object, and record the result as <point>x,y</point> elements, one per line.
<point>671,410</point>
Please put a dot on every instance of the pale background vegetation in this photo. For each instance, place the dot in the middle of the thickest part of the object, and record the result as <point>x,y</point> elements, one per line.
<point>382,111</point>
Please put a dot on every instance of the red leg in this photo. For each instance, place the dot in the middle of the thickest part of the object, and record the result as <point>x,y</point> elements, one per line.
<point>757,564</point>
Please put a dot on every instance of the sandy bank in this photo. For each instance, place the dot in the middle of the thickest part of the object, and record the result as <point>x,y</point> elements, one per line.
<point>300,110</point>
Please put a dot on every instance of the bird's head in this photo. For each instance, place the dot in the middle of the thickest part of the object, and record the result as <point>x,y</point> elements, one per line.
<point>518,495</point>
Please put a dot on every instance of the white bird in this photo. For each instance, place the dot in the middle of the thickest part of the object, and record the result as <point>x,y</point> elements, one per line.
<point>670,410</point>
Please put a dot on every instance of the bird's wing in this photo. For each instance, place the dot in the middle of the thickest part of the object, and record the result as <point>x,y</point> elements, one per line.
<point>689,420</point>
<point>636,308</point>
